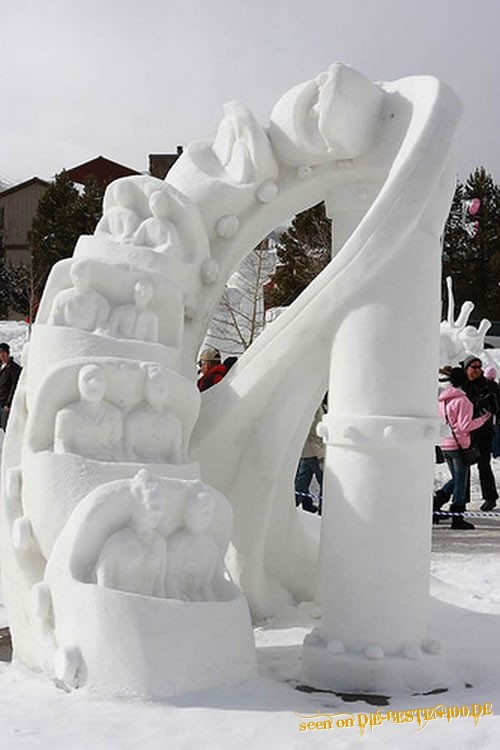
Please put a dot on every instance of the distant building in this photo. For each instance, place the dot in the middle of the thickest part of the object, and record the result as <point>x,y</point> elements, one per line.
<point>18,204</point>
<point>160,164</point>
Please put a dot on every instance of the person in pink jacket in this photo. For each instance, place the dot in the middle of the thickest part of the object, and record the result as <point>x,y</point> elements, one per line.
<point>456,410</point>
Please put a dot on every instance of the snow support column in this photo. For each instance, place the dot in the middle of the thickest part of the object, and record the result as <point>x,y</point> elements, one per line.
<point>378,482</point>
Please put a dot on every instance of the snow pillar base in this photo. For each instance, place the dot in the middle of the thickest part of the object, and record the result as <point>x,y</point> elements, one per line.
<point>371,672</point>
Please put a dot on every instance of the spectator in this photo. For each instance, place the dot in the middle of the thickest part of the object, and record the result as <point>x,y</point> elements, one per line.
<point>9,375</point>
<point>310,465</point>
<point>211,368</point>
<point>491,374</point>
<point>485,398</point>
<point>456,410</point>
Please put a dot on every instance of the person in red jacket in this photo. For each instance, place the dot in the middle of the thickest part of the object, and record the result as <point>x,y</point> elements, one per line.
<point>212,370</point>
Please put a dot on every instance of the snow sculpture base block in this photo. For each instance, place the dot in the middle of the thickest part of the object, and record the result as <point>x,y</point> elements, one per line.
<point>165,647</point>
<point>347,672</point>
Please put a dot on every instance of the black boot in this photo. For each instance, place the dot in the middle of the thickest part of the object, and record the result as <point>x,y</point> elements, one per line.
<point>458,522</point>
<point>488,505</point>
<point>440,498</point>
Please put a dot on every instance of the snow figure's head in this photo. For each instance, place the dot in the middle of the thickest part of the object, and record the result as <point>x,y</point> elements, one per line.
<point>156,387</point>
<point>80,275</point>
<point>91,383</point>
<point>199,512</point>
<point>143,293</point>
<point>126,194</point>
<point>159,204</point>
<point>150,501</point>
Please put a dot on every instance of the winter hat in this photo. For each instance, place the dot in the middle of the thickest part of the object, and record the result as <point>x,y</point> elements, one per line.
<point>210,355</point>
<point>469,360</point>
<point>490,373</point>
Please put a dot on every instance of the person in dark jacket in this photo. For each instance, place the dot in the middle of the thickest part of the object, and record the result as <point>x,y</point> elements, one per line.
<point>485,397</point>
<point>212,370</point>
<point>9,375</point>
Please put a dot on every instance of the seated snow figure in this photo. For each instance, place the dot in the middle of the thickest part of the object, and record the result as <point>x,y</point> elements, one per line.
<point>152,433</point>
<point>135,321</point>
<point>121,220</point>
<point>90,427</point>
<point>79,306</point>
<point>159,232</point>
<point>192,553</point>
<point>134,558</point>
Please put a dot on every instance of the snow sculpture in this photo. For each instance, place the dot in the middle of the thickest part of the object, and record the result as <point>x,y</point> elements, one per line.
<point>134,558</point>
<point>158,231</point>
<point>135,321</point>
<point>153,433</point>
<point>457,339</point>
<point>80,306</point>
<point>122,218</point>
<point>377,154</point>
<point>192,554</point>
<point>90,427</point>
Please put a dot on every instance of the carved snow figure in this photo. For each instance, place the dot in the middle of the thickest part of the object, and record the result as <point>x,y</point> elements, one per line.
<point>159,232</point>
<point>135,321</point>
<point>192,553</point>
<point>134,558</point>
<point>153,434</point>
<point>122,219</point>
<point>91,427</point>
<point>80,306</point>
<point>377,154</point>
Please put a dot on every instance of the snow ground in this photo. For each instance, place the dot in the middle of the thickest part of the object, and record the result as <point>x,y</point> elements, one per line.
<point>267,712</point>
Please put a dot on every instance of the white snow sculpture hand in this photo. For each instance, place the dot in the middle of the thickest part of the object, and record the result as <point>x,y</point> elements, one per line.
<point>153,434</point>
<point>79,306</point>
<point>134,558</point>
<point>90,427</point>
<point>192,553</point>
<point>472,339</point>
<point>451,343</point>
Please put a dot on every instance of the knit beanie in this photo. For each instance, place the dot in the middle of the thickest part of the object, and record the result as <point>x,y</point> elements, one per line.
<point>469,360</point>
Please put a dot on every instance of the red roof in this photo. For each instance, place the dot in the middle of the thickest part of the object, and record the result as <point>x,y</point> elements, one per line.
<point>101,169</point>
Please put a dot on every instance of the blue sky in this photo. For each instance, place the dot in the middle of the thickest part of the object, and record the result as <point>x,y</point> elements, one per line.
<point>124,78</point>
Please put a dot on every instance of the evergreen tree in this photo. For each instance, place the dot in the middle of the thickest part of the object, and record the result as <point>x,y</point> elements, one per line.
<point>303,251</point>
<point>474,262</point>
<point>63,214</point>
<point>19,288</point>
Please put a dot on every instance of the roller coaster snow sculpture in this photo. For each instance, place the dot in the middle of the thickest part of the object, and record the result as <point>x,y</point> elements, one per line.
<point>116,525</point>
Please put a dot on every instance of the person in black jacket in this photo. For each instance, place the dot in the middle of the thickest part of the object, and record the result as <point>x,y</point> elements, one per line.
<point>9,375</point>
<point>485,397</point>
